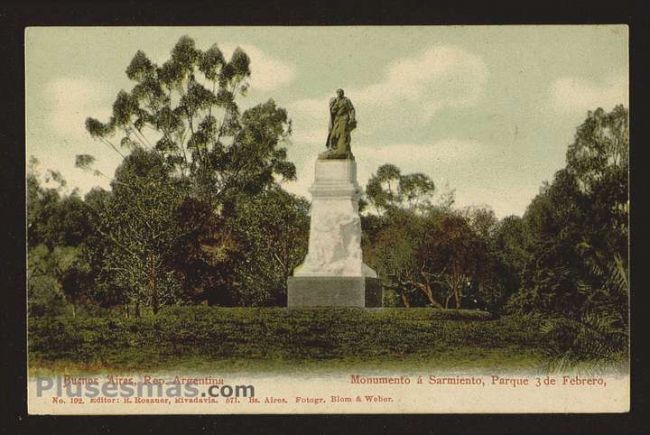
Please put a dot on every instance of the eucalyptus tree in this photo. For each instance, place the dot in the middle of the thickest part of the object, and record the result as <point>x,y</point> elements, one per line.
<point>185,111</point>
<point>389,189</point>
<point>183,140</point>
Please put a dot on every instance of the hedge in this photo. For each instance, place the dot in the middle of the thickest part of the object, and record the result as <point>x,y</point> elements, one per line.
<point>273,333</point>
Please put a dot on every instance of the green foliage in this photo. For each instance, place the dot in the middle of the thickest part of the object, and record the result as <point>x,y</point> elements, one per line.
<point>83,161</point>
<point>576,272</point>
<point>296,336</point>
<point>184,110</point>
<point>511,246</point>
<point>205,254</point>
<point>58,227</point>
<point>600,334</point>
<point>456,252</point>
<point>271,230</point>
<point>429,254</point>
<point>596,337</point>
<point>437,257</point>
<point>601,146</point>
<point>388,189</point>
<point>51,281</point>
<point>243,256</point>
<point>167,232</point>
<point>44,297</point>
<point>137,231</point>
<point>196,215</point>
<point>578,226</point>
<point>54,219</point>
<point>392,253</point>
<point>276,333</point>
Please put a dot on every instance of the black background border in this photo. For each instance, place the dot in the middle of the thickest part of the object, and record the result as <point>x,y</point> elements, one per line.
<point>14,17</point>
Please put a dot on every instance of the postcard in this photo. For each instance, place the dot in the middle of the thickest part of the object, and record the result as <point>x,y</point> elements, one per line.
<point>327,219</point>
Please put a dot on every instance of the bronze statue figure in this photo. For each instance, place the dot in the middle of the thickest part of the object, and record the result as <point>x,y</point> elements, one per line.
<point>342,122</point>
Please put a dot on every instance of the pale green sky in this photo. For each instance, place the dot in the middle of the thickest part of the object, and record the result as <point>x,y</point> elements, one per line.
<point>487,110</point>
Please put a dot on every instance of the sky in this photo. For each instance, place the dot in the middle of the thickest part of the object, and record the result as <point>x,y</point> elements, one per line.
<point>487,111</point>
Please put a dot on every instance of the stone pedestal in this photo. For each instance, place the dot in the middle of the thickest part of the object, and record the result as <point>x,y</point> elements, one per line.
<point>333,273</point>
<point>332,291</point>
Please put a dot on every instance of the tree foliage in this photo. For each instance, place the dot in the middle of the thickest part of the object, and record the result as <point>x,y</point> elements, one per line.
<point>435,258</point>
<point>388,189</point>
<point>137,223</point>
<point>57,229</point>
<point>578,227</point>
<point>185,112</point>
<point>189,155</point>
<point>272,232</point>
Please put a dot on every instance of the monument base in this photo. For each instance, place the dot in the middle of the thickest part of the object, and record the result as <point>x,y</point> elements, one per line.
<point>334,291</point>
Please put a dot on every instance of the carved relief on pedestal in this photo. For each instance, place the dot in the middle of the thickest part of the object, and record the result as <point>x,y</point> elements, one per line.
<point>335,230</point>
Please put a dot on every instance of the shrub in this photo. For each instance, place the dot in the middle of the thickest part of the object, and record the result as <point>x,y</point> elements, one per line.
<point>595,337</point>
<point>45,297</point>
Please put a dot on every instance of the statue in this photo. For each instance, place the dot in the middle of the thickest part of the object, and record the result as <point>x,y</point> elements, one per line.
<point>333,273</point>
<point>342,122</point>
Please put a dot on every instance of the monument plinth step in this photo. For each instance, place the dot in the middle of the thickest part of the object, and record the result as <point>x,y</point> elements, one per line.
<point>331,291</point>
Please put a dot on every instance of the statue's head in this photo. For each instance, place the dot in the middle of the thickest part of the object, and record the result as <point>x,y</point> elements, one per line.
<point>339,92</point>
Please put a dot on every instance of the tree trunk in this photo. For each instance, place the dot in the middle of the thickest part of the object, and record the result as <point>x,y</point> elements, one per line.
<point>425,286</point>
<point>154,301</point>
<point>137,309</point>
<point>153,285</point>
<point>448,298</point>
<point>455,282</point>
<point>429,293</point>
<point>74,312</point>
<point>405,300</point>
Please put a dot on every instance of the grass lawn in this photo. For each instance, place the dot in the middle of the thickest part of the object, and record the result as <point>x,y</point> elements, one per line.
<point>269,340</point>
<point>454,360</point>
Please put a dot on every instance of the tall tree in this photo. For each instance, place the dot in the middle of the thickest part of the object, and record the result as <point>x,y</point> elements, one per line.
<point>578,225</point>
<point>185,112</point>
<point>138,224</point>
<point>456,253</point>
<point>510,244</point>
<point>392,252</point>
<point>389,189</point>
<point>188,155</point>
<point>58,228</point>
